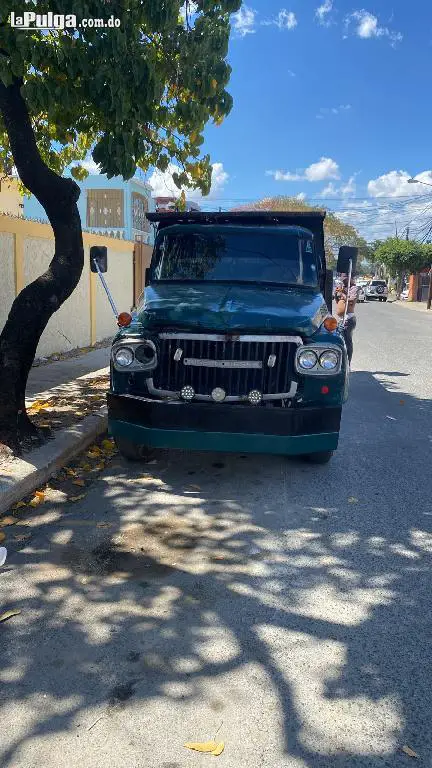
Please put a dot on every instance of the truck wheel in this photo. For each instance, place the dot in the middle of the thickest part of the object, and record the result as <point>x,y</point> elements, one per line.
<point>385,299</point>
<point>129,450</point>
<point>323,457</point>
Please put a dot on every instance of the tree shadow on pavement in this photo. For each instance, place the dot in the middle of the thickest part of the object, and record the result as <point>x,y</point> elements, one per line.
<point>274,596</point>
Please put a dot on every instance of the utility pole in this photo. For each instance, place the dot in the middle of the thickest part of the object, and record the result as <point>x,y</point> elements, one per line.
<point>429,301</point>
<point>407,233</point>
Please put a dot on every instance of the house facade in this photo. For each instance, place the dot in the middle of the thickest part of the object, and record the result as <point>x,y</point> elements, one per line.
<point>109,207</point>
<point>11,199</point>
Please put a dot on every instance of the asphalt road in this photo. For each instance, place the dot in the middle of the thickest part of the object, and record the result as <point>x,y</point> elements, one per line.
<point>285,607</point>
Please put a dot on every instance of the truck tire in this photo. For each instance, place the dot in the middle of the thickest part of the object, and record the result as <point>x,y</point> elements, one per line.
<point>129,450</point>
<point>323,457</point>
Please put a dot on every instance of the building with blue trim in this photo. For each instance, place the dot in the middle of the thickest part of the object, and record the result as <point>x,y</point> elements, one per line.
<point>111,207</point>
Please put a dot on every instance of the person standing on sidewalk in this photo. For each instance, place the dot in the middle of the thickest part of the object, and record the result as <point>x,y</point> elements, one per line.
<point>347,293</point>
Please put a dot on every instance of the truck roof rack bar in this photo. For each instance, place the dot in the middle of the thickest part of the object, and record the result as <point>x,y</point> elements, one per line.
<point>215,217</point>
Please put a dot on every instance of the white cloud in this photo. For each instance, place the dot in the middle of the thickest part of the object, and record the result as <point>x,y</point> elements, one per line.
<point>395,184</point>
<point>301,196</point>
<point>324,169</point>
<point>284,20</point>
<point>367,26</point>
<point>290,73</point>
<point>323,11</point>
<point>89,165</point>
<point>346,190</point>
<point>163,185</point>
<point>243,22</point>
<point>324,111</point>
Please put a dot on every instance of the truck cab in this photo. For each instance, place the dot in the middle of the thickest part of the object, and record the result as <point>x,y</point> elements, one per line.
<point>233,347</point>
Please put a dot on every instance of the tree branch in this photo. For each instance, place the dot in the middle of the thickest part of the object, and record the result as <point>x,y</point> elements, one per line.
<point>51,190</point>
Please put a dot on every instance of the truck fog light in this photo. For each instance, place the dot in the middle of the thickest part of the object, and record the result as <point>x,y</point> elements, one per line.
<point>307,359</point>
<point>218,395</point>
<point>329,361</point>
<point>123,357</point>
<point>255,397</point>
<point>187,393</point>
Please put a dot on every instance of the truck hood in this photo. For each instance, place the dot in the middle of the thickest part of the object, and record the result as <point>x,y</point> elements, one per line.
<point>220,307</point>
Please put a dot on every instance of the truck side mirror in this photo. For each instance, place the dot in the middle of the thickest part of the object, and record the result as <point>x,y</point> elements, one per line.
<point>99,256</point>
<point>347,253</point>
<point>147,277</point>
<point>328,290</point>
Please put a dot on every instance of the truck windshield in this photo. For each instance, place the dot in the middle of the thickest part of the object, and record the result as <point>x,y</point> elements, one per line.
<point>247,257</point>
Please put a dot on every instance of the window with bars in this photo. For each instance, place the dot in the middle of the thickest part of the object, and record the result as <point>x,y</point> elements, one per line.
<point>140,207</point>
<point>105,208</point>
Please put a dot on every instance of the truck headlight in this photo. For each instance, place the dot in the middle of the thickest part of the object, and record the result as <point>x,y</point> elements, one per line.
<point>146,354</point>
<point>123,357</point>
<point>329,361</point>
<point>319,360</point>
<point>307,359</point>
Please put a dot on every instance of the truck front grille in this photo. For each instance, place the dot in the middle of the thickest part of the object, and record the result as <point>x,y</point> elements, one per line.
<point>237,364</point>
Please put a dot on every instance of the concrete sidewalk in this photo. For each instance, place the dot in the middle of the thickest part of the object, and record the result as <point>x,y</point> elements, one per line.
<point>415,306</point>
<point>44,377</point>
<point>21,476</point>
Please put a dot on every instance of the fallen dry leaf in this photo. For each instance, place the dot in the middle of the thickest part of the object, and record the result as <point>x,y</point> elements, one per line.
<point>94,452</point>
<point>38,406</point>
<point>401,402</point>
<point>2,536</point>
<point>408,751</point>
<point>219,749</point>
<point>86,467</point>
<point>79,482</point>
<point>70,472</point>
<point>107,445</point>
<point>77,498</point>
<point>19,504</point>
<point>7,521</point>
<point>22,536</point>
<point>36,500</point>
<point>40,495</point>
<point>103,525</point>
<point>202,746</point>
<point>8,615</point>
<point>352,500</point>
<point>100,466</point>
<point>195,487</point>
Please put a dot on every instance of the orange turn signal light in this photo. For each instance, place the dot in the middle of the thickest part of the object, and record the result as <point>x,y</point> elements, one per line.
<point>330,323</point>
<point>124,319</point>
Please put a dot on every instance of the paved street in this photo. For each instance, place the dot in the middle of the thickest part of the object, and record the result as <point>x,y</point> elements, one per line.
<point>284,606</point>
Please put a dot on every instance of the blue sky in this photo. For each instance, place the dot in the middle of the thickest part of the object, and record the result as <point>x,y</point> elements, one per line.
<point>331,101</point>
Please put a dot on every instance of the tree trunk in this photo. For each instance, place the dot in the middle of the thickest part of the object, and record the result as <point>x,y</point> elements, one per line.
<point>36,303</point>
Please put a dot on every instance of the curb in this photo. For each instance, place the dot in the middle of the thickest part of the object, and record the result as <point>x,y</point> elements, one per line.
<point>26,476</point>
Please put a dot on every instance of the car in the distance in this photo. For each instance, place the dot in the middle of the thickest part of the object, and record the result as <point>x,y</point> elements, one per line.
<point>377,289</point>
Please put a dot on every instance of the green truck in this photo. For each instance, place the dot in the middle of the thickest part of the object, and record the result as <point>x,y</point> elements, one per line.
<point>233,347</point>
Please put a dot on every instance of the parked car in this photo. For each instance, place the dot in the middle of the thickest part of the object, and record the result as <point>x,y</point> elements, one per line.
<point>405,294</point>
<point>377,289</point>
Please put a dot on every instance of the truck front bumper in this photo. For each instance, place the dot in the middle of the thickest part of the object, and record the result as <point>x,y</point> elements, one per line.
<point>223,427</point>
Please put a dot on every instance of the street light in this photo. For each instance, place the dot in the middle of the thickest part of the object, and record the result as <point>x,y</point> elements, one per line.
<point>417,181</point>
